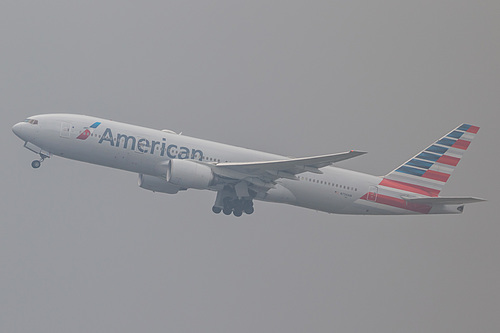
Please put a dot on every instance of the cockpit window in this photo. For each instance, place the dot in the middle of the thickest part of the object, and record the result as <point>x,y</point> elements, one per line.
<point>31,121</point>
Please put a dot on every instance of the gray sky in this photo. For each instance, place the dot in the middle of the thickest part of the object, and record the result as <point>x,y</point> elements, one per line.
<point>84,249</point>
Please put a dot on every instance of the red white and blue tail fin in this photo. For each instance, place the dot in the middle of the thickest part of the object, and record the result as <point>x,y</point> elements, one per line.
<point>427,172</point>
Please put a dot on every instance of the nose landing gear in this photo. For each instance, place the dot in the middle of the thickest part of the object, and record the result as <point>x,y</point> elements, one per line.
<point>37,163</point>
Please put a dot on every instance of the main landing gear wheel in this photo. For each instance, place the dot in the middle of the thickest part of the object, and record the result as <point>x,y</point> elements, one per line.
<point>235,206</point>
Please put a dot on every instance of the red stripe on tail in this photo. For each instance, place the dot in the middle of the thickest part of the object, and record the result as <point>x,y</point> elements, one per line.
<point>461,144</point>
<point>448,160</point>
<point>473,129</point>
<point>400,203</point>
<point>442,177</point>
<point>427,191</point>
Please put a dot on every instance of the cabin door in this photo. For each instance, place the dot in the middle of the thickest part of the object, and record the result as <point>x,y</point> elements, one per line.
<point>65,130</point>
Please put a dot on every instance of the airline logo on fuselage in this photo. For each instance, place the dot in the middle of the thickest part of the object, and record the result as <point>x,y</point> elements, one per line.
<point>85,134</point>
<point>152,147</point>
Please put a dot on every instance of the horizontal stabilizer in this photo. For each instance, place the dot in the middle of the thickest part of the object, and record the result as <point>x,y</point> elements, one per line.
<point>443,200</point>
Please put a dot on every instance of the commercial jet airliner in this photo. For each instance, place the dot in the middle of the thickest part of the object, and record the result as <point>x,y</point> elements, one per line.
<point>168,162</point>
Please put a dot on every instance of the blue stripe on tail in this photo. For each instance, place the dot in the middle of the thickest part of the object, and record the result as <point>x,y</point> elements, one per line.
<point>420,164</point>
<point>437,149</point>
<point>411,171</point>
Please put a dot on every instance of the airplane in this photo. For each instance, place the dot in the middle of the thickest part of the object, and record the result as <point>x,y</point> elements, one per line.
<point>168,162</point>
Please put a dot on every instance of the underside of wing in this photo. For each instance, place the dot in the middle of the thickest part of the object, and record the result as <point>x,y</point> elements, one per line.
<point>270,170</point>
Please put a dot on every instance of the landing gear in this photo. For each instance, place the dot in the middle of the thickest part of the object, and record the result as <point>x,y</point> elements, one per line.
<point>37,163</point>
<point>249,210</point>
<point>229,202</point>
<point>238,206</point>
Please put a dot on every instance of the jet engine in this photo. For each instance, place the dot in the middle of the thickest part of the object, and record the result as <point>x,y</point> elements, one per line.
<point>189,174</point>
<point>157,184</point>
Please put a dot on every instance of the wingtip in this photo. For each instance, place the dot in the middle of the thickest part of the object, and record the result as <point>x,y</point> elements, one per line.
<point>358,152</point>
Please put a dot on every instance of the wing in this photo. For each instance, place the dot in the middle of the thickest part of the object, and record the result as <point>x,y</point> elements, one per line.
<point>268,171</point>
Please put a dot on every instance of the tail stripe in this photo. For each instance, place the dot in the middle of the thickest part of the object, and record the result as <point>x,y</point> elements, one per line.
<point>468,136</point>
<point>411,171</point>
<point>442,168</point>
<point>428,156</point>
<point>410,187</point>
<point>464,127</point>
<point>436,175</point>
<point>455,152</point>
<point>455,134</point>
<point>448,160</point>
<point>416,180</point>
<point>461,144</point>
<point>437,149</point>
<point>420,163</point>
<point>473,129</point>
<point>446,142</point>
<point>431,168</point>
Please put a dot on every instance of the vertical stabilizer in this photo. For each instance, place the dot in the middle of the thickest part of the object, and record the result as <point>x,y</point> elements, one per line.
<point>427,172</point>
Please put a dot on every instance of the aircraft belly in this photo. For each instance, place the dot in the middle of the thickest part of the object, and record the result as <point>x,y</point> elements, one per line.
<point>317,197</point>
<point>364,207</point>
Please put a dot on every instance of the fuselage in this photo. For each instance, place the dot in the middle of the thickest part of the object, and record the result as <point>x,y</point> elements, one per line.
<point>145,151</point>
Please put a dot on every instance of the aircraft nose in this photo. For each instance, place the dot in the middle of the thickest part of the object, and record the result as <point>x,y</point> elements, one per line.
<point>19,129</point>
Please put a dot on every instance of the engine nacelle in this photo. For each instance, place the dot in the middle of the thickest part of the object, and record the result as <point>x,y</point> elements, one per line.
<point>157,184</point>
<point>189,174</point>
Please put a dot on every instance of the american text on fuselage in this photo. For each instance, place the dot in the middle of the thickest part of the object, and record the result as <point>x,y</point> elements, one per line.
<point>144,145</point>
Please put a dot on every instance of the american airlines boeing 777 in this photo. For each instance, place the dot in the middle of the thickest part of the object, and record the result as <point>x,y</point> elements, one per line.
<point>168,162</point>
